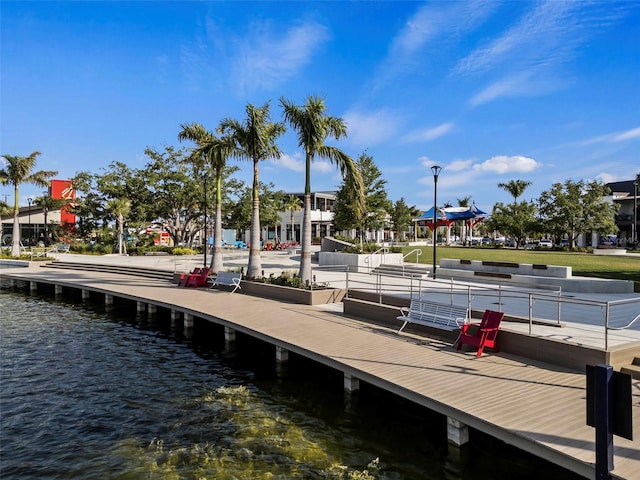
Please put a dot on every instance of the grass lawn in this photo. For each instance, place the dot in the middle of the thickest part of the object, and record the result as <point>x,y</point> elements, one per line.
<point>621,267</point>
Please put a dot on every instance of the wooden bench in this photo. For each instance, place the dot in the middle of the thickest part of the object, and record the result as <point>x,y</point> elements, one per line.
<point>228,279</point>
<point>433,314</point>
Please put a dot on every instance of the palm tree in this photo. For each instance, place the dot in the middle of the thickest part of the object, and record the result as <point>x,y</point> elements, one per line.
<point>254,140</point>
<point>16,171</point>
<point>292,204</point>
<point>215,151</point>
<point>48,204</point>
<point>120,207</point>
<point>515,188</point>
<point>463,202</point>
<point>314,126</point>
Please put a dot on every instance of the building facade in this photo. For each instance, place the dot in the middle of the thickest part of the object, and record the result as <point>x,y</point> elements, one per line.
<point>625,194</point>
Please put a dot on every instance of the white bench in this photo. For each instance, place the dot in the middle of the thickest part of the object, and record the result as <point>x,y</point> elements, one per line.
<point>434,314</point>
<point>229,279</point>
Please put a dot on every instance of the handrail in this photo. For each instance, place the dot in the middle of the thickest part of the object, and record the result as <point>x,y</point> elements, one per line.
<point>418,252</point>
<point>381,249</point>
<point>384,250</point>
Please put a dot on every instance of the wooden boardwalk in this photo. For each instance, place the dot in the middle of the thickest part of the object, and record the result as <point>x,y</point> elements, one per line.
<point>534,406</point>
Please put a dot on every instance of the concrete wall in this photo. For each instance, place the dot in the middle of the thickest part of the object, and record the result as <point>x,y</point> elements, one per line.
<point>508,267</point>
<point>358,263</point>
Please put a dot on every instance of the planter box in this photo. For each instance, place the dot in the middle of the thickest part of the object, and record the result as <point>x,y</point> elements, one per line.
<point>291,294</point>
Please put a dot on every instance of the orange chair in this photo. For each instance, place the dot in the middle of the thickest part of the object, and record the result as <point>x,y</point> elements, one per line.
<point>485,334</point>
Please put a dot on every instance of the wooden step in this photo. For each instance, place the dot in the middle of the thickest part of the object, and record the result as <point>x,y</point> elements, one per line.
<point>118,269</point>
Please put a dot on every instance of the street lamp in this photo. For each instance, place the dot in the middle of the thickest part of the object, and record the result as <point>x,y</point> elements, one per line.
<point>29,228</point>
<point>436,171</point>
<point>635,215</point>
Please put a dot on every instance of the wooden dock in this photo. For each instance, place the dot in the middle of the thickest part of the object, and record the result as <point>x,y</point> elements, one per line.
<point>537,407</point>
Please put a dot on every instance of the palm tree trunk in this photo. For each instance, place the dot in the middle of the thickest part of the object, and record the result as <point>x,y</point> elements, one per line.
<point>305,258</point>
<point>15,241</point>
<point>254,268</point>
<point>216,259</point>
<point>120,233</point>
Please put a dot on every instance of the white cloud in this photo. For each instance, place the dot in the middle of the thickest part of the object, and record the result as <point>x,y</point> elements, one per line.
<point>532,53</point>
<point>628,135</point>
<point>295,162</point>
<point>615,137</point>
<point>459,165</point>
<point>508,164</point>
<point>371,128</point>
<point>429,134</point>
<point>264,59</point>
<point>323,166</point>
<point>606,177</point>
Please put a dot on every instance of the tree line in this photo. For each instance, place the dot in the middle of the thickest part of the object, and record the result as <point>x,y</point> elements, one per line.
<point>177,185</point>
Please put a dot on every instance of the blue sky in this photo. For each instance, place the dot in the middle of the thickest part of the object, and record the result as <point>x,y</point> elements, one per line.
<point>491,91</point>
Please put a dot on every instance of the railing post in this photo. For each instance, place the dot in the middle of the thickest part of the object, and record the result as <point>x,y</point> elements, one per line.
<point>559,304</point>
<point>347,281</point>
<point>530,312</point>
<point>499,297</point>
<point>606,327</point>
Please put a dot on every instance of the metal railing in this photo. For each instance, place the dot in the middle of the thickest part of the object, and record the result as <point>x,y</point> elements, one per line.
<point>536,310</point>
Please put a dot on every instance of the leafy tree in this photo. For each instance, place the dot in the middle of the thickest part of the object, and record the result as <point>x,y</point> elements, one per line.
<point>89,204</point>
<point>573,208</point>
<point>16,171</point>
<point>370,216</point>
<point>175,189</point>
<point>516,220</point>
<point>255,140</point>
<point>313,126</point>
<point>214,152</point>
<point>292,204</point>
<point>401,217</point>
<point>240,212</point>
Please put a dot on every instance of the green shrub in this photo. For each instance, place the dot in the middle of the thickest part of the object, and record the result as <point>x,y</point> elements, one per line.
<point>183,251</point>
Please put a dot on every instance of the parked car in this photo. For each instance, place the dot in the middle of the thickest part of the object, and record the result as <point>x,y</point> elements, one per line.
<point>510,242</point>
<point>545,243</point>
<point>564,243</point>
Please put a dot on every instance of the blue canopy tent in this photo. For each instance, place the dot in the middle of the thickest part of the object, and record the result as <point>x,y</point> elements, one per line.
<point>445,217</point>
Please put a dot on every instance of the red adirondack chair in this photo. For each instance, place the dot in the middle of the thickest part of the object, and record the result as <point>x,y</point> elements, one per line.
<point>485,333</point>
<point>198,279</point>
<point>184,277</point>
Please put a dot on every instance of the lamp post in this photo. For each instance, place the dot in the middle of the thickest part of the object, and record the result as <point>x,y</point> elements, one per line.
<point>635,215</point>
<point>29,227</point>
<point>436,171</point>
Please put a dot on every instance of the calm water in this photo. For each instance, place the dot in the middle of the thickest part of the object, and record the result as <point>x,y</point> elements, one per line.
<point>91,394</point>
